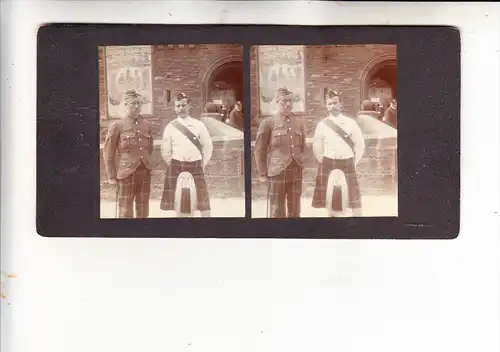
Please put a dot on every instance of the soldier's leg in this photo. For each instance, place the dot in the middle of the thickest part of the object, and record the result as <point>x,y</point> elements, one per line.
<point>126,197</point>
<point>294,192</point>
<point>202,194</point>
<point>276,194</point>
<point>168,196</point>
<point>354,192</point>
<point>142,192</point>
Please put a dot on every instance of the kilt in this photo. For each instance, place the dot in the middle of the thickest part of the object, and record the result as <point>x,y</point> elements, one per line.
<point>285,191</point>
<point>134,187</point>
<point>347,167</point>
<point>173,171</point>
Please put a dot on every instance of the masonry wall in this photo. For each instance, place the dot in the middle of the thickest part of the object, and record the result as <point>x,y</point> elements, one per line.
<point>331,66</point>
<point>340,68</point>
<point>178,68</point>
<point>377,170</point>
<point>182,68</point>
<point>224,173</point>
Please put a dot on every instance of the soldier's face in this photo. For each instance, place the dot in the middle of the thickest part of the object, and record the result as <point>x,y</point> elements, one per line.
<point>181,107</point>
<point>133,108</point>
<point>285,104</point>
<point>333,105</point>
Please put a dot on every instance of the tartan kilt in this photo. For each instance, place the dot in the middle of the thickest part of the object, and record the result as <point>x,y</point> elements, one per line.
<point>173,171</point>
<point>324,169</point>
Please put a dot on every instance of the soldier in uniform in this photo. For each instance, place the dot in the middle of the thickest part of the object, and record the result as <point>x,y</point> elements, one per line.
<point>338,143</point>
<point>279,149</point>
<point>127,153</point>
<point>187,146</point>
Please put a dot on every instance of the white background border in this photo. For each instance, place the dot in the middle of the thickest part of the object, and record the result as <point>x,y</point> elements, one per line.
<point>251,295</point>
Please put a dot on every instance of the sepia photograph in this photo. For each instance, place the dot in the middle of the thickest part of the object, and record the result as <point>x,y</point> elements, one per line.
<point>324,131</point>
<point>171,131</point>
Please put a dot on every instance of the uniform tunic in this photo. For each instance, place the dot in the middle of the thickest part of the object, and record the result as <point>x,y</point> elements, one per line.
<point>279,155</point>
<point>181,154</point>
<point>334,153</point>
<point>127,155</point>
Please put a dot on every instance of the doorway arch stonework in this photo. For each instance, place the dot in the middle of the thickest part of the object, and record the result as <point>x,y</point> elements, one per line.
<point>371,69</point>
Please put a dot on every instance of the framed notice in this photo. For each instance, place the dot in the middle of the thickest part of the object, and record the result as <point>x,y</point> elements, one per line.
<point>128,67</point>
<point>280,66</point>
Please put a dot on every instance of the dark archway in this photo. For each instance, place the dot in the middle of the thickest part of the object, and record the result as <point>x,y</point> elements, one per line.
<point>380,78</point>
<point>225,83</point>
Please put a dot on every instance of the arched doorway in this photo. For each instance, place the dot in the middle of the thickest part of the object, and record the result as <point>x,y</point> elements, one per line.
<point>379,80</point>
<point>224,83</point>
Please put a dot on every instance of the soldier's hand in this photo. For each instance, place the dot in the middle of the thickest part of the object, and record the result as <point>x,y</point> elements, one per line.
<point>263,178</point>
<point>112,181</point>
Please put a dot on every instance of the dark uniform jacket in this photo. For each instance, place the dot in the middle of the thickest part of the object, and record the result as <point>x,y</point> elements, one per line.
<point>128,143</point>
<point>279,141</point>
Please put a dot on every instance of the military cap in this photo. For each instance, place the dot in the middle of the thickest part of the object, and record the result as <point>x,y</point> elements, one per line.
<point>282,92</point>
<point>181,96</point>
<point>131,95</point>
<point>332,94</point>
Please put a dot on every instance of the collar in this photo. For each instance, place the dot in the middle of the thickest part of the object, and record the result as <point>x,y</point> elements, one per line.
<point>133,119</point>
<point>336,118</point>
<point>185,120</point>
<point>282,117</point>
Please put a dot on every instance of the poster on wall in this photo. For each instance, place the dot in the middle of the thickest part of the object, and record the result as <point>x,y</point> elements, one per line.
<point>380,90</point>
<point>280,66</point>
<point>128,67</point>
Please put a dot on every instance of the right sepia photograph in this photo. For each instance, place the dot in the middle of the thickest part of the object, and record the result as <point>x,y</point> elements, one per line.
<point>324,131</point>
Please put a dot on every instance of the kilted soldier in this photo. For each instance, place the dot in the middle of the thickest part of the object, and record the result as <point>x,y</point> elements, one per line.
<point>338,144</point>
<point>127,155</point>
<point>279,149</point>
<point>187,146</point>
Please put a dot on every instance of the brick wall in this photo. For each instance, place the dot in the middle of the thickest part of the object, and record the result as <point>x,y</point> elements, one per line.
<point>338,67</point>
<point>224,173</point>
<point>186,70</point>
<point>182,68</point>
<point>178,68</point>
<point>377,171</point>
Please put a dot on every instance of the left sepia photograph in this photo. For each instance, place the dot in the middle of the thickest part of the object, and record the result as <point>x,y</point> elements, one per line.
<point>171,131</point>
